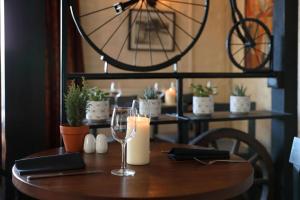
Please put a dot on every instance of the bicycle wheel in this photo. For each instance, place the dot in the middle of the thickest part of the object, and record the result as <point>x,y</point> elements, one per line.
<point>249,45</point>
<point>141,35</point>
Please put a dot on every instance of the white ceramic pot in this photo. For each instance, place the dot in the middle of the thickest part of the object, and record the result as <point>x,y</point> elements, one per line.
<point>239,104</point>
<point>203,105</point>
<point>151,107</point>
<point>97,110</point>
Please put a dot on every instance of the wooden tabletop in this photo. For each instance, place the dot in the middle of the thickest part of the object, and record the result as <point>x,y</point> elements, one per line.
<point>161,179</point>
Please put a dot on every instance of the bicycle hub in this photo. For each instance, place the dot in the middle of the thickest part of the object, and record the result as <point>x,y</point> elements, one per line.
<point>121,6</point>
<point>151,3</point>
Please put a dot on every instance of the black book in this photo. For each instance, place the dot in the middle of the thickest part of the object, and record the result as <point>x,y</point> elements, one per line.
<point>53,163</point>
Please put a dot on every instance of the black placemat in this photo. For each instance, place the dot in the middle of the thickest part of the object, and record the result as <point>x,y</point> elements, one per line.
<point>53,163</point>
<point>201,154</point>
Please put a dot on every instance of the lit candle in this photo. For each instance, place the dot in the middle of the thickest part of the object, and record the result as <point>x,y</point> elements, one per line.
<point>138,148</point>
<point>170,96</point>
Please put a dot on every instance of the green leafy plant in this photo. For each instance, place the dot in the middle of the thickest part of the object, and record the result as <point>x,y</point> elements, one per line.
<point>150,93</point>
<point>204,91</point>
<point>75,103</point>
<point>95,94</point>
<point>239,90</point>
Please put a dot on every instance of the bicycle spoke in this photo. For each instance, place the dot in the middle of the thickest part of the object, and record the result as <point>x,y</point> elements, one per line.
<point>165,26</point>
<point>238,51</point>
<point>177,11</point>
<point>263,43</point>
<point>138,39</point>
<point>150,45</point>
<point>118,27</point>
<point>256,31</point>
<point>247,51</point>
<point>178,26</point>
<point>264,33</point>
<point>187,3</point>
<point>105,23</point>
<point>263,55</point>
<point>149,31</point>
<point>260,51</point>
<point>257,57</point>
<point>250,26</point>
<point>128,34</point>
<point>93,12</point>
<point>157,33</point>
<point>257,44</point>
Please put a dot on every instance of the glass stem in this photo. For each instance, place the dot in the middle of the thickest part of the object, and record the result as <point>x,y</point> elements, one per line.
<point>124,153</point>
<point>116,101</point>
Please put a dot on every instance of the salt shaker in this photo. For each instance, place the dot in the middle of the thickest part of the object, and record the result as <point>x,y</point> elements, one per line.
<point>101,143</point>
<point>89,143</point>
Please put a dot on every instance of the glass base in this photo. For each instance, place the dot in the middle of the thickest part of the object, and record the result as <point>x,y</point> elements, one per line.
<point>123,172</point>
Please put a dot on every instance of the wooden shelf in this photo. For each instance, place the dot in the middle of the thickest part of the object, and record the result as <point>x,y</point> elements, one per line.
<point>163,119</point>
<point>227,116</point>
<point>111,76</point>
<point>217,116</point>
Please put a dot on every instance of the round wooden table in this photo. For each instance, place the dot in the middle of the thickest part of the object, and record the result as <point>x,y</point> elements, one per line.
<point>161,179</point>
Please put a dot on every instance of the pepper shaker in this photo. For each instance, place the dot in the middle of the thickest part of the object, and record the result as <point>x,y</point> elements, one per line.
<point>101,143</point>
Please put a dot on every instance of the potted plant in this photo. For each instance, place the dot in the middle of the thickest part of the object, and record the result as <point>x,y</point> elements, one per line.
<point>75,106</point>
<point>97,105</point>
<point>150,104</point>
<point>239,101</point>
<point>203,101</point>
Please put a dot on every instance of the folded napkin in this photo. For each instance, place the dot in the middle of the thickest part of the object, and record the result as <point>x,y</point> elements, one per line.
<point>52,163</point>
<point>201,154</point>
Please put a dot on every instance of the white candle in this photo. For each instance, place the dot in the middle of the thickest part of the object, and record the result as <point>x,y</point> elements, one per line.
<point>170,96</point>
<point>138,148</point>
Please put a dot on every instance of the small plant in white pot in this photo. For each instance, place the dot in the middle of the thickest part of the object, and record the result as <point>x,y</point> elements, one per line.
<point>239,101</point>
<point>97,105</point>
<point>150,104</point>
<point>203,101</point>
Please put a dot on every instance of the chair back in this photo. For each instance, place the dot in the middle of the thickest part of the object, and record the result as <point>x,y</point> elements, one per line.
<point>247,147</point>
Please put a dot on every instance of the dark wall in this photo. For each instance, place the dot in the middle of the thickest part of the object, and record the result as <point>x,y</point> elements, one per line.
<point>23,127</point>
<point>285,99</point>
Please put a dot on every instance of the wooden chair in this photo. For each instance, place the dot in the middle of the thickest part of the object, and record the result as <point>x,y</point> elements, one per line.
<point>247,147</point>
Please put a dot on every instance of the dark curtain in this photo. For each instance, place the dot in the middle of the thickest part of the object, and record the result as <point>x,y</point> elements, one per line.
<point>74,63</point>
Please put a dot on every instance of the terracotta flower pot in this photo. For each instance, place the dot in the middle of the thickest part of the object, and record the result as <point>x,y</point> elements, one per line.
<point>73,137</point>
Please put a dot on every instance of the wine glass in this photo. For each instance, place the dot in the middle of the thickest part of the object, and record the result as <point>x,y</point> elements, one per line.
<point>123,127</point>
<point>141,110</point>
<point>159,92</point>
<point>115,92</point>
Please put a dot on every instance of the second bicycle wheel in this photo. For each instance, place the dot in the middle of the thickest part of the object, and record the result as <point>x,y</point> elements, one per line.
<point>249,45</point>
<point>141,35</point>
